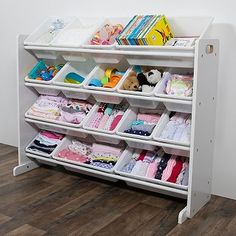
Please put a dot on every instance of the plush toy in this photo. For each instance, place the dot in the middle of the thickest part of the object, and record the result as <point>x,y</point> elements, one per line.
<point>131,83</point>
<point>148,80</point>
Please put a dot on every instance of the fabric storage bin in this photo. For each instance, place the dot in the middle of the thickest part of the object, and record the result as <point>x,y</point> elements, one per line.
<point>68,141</point>
<point>125,159</point>
<point>28,150</point>
<point>100,72</point>
<point>131,116</point>
<point>90,118</point>
<point>54,121</point>
<point>56,64</point>
<point>157,133</point>
<point>77,33</point>
<point>109,21</point>
<point>45,31</point>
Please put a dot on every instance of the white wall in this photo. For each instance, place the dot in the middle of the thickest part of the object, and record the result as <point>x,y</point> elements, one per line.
<point>23,16</point>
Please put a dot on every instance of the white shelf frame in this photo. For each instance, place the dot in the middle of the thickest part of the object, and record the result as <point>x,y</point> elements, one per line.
<point>203,109</point>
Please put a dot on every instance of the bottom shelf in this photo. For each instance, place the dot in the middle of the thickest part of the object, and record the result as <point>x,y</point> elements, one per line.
<point>153,187</point>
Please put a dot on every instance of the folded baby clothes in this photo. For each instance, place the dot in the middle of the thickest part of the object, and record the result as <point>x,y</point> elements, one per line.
<point>179,85</point>
<point>108,116</point>
<point>169,168</point>
<point>176,170</point>
<point>144,124</point>
<point>178,128</point>
<point>162,165</point>
<point>182,172</point>
<point>45,142</point>
<point>59,108</point>
<point>74,111</point>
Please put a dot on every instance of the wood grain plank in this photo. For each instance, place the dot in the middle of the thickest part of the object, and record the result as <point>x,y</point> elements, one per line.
<point>26,230</point>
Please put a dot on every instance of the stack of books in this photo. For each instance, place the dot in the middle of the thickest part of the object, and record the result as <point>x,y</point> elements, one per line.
<point>146,30</point>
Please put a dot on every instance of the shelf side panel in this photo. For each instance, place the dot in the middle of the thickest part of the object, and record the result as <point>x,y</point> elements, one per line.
<point>203,124</point>
<point>25,97</point>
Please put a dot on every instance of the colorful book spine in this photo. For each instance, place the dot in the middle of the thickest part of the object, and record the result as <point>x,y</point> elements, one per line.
<point>118,38</point>
<point>131,28</point>
<point>137,39</point>
<point>137,30</point>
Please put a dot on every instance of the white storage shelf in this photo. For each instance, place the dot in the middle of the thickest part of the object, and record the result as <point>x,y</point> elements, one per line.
<point>197,59</point>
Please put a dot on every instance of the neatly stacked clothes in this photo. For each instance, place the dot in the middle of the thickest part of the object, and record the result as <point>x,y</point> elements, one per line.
<point>178,128</point>
<point>108,116</point>
<point>159,165</point>
<point>45,142</point>
<point>98,155</point>
<point>178,85</point>
<point>59,108</point>
<point>144,124</point>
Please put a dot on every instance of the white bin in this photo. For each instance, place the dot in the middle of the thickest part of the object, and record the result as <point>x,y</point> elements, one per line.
<point>90,116</point>
<point>65,144</point>
<point>41,153</point>
<point>160,128</point>
<point>130,116</point>
<point>99,72</point>
<point>113,21</point>
<point>43,30</point>
<point>125,159</point>
<point>78,32</point>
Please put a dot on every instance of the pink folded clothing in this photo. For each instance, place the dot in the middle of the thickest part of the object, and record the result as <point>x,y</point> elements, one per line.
<point>107,116</point>
<point>51,135</point>
<point>59,108</point>
<point>100,148</point>
<point>72,156</point>
<point>150,118</point>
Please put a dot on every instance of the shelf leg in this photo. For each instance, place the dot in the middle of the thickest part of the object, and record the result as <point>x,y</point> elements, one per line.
<point>182,216</point>
<point>28,166</point>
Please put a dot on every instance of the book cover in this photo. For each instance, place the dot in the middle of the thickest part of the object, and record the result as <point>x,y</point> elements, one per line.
<point>160,33</point>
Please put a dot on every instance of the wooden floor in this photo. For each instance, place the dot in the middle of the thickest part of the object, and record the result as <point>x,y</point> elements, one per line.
<point>52,201</point>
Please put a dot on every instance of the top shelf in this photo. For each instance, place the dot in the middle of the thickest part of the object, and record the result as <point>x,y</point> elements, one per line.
<point>196,27</point>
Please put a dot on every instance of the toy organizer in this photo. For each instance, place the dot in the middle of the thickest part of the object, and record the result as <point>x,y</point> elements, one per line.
<point>171,120</point>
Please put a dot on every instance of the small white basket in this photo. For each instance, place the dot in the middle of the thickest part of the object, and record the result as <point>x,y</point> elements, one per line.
<point>90,116</point>
<point>65,144</point>
<point>160,128</point>
<point>43,29</point>
<point>99,72</point>
<point>27,149</point>
<point>130,116</point>
<point>125,159</point>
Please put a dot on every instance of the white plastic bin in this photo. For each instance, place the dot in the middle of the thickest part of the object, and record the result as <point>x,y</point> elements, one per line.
<point>161,127</point>
<point>65,131</point>
<point>99,72</point>
<point>111,21</point>
<point>78,32</point>
<point>48,63</point>
<point>41,153</point>
<point>44,30</point>
<point>130,116</point>
<point>125,159</point>
<point>90,116</point>
<point>58,122</point>
<point>66,142</point>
